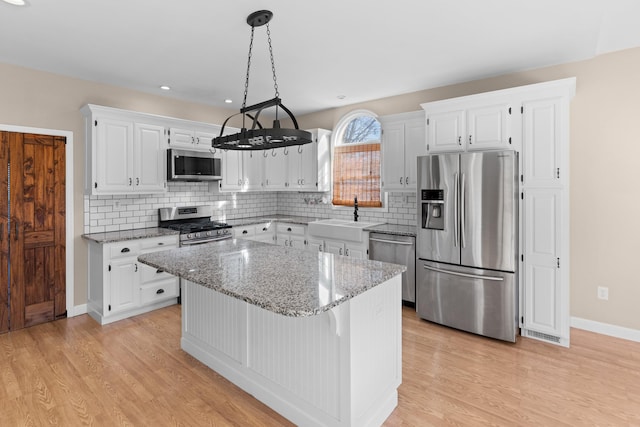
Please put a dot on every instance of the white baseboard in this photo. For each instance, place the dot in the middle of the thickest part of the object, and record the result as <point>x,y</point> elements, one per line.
<point>77,310</point>
<point>606,329</point>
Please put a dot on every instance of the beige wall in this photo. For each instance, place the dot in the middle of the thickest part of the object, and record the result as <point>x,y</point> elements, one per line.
<point>605,173</point>
<point>35,99</point>
<point>604,152</point>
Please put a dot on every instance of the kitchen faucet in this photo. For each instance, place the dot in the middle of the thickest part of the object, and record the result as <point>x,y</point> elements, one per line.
<point>355,209</point>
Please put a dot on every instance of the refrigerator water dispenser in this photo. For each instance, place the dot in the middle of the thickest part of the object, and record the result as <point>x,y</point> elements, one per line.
<point>433,209</point>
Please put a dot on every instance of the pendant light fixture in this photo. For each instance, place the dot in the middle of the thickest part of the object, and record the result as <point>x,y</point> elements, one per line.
<point>257,137</point>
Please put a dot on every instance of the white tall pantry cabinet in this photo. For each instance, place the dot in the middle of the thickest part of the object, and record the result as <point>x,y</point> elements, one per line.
<point>533,120</point>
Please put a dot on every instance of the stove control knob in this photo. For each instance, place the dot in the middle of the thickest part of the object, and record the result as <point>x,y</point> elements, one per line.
<point>189,236</point>
<point>218,231</point>
<point>208,233</point>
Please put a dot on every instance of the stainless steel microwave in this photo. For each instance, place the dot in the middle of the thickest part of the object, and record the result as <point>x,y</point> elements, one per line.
<point>185,165</point>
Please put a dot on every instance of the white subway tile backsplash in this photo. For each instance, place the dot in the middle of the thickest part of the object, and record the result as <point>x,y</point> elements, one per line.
<point>139,211</point>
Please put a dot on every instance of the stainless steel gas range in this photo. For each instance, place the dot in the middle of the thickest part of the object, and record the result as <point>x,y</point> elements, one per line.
<point>194,224</point>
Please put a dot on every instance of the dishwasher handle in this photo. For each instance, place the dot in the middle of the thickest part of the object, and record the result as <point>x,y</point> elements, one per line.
<point>395,242</point>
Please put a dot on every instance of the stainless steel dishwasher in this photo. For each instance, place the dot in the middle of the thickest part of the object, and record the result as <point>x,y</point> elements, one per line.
<point>398,250</point>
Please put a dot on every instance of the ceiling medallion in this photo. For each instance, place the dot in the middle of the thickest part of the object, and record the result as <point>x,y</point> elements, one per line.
<point>258,137</point>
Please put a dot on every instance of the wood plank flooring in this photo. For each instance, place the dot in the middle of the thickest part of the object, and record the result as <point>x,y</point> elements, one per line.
<point>132,373</point>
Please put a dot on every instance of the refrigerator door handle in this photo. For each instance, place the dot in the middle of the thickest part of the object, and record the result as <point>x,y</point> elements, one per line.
<point>470,276</point>
<point>455,209</point>
<point>463,215</point>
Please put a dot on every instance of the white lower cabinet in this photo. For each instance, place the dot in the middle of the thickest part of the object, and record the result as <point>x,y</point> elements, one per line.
<point>262,232</point>
<point>358,250</point>
<point>291,235</point>
<point>121,287</point>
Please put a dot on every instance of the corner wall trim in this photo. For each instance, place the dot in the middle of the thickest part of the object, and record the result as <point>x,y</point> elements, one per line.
<point>79,309</point>
<point>606,329</point>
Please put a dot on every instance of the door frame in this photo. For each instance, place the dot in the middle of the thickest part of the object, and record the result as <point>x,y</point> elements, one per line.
<point>69,252</point>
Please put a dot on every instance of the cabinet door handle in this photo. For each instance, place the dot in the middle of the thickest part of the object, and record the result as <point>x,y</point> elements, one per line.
<point>406,180</point>
<point>137,181</point>
<point>459,140</point>
<point>469,139</point>
<point>346,252</point>
<point>320,248</point>
<point>160,291</point>
<point>264,228</point>
<point>159,271</point>
<point>125,250</point>
<point>400,180</point>
<point>302,181</point>
<point>340,251</point>
<point>130,181</point>
<point>136,267</point>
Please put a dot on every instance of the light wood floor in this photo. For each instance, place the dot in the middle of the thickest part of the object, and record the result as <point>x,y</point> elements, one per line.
<point>75,372</point>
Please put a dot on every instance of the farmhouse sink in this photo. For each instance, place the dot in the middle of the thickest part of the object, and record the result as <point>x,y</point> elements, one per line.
<point>340,229</point>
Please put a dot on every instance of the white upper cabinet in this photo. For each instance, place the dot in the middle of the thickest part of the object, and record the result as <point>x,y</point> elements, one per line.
<point>198,138</point>
<point>113,160</point>
<point>149,159</point>
<point>232,178</point>
<point>125,153</point>
<point>446,131</point>
<point>541,136</point>
<point>299,167</point>
<point>469,123</point>
<point>253,170</point>
<point>403,140</point>
<point>276,170</point>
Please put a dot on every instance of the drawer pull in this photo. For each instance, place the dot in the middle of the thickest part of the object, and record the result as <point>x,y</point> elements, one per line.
<point>125,250</point>
<point>160,291</point>
<point>264,229</point>
<point>289,229</point>
<point>159,271</point>
<point>244,231</point>
<point>160,243</point>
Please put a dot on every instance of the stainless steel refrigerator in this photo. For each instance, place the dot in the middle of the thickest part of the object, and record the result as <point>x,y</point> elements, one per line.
<point>467,242</point>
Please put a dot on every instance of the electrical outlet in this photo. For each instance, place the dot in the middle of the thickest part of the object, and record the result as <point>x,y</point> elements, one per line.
<point>603,293</point>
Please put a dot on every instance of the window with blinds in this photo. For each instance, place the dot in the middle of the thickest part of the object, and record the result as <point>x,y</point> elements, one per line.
<point>356,162</point>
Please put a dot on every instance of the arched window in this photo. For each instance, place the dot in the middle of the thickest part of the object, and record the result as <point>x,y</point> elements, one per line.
<point>356,160</point>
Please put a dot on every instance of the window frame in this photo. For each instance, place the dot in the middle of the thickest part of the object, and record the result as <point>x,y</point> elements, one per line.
<point>336,141</point>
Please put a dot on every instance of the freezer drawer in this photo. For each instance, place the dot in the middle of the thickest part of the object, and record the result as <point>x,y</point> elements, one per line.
<point>480,301</point>
<point>397,250</point>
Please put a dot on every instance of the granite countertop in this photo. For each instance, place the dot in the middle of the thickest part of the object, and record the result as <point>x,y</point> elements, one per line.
<point>304,220</point>
<point>120,236</point>
<point>283,280</point>
<point>395,229</point>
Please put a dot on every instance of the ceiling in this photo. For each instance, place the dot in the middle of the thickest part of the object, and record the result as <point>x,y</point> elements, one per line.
<point>355,49</point>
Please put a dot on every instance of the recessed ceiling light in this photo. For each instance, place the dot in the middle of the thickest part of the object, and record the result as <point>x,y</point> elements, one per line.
<point>16,2</point>
<point>165,87</point>
<point>228,101</point>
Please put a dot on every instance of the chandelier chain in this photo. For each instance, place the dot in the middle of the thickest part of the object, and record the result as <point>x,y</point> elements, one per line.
<point>246,82</point>
<point>273,64</point>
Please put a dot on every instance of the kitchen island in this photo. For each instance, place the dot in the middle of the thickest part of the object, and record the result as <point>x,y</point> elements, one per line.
<point>314,336</point>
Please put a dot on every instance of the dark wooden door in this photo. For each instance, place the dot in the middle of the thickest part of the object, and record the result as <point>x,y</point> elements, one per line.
<point>37,229</point>
<point>4,238</point>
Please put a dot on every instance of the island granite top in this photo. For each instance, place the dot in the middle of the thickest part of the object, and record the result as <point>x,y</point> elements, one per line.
<point>283,280</point>
<point>137,233</point>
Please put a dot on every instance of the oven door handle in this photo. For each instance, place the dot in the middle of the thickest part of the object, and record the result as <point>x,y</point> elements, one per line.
<point>198,242</point>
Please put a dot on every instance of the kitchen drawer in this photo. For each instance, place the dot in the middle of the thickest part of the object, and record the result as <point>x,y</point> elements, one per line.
<point>124,249</point>
<point>158,243</point>
<point>242,232</point>
<point>291,229</point>
<point>155,292</point>
<point>152,274</point>
<point>263,228</point>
